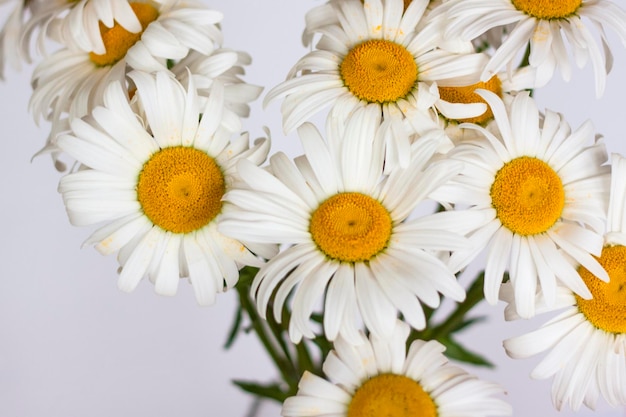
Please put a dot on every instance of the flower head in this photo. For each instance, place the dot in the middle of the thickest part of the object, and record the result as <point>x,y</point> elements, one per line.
<point>346,230</point>
<point>545,25</point>
<point>376,53</point>
<point>156,180</point>
<point>541,191</point>
<point>69,22</point>
<point>378,377</point>
<point>587,340</point>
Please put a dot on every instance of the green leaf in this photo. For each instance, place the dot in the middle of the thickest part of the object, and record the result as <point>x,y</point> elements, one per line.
<point>455,350</point>
<point>272,390</point>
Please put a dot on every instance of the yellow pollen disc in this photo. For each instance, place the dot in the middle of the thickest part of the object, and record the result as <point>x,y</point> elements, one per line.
<point>467,95</point>
<point>117,40</point>
<point>180,189</point>
<point>351,227</point>
<point>379,71</point>
<point>390,395</point>
<point>547,9</point>
<point>528,196</point>
<point>607,309</point>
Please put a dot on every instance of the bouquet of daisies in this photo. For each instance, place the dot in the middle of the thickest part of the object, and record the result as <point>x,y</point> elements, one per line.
<point>433,158</point>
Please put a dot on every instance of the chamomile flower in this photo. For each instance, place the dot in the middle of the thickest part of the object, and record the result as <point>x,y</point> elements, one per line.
<point>587,340</point>
<point>157,182</point>
<point>64,21</point>
<point>547,25</point>
<point>346,231</point>
<point>542,191</point>
<point>70,82</point>
<point>378,377</point>
<point>372,52</point>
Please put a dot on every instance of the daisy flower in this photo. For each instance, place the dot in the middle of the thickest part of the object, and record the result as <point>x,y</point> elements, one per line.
<point>545,25</point>
<point>372,52</point>
<point>378,377</point>
<point>157,182</point>
<point>70,82</point>
<point>587,340</point>
<point>346,232</point>
<point>76,22</point>
<point>541,192</point>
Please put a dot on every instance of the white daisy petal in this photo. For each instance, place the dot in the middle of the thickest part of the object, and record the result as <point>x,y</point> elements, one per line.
<point>137,264</point>
<point>202,273</point>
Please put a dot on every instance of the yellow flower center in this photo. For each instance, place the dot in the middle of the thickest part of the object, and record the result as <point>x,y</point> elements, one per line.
<point>467,95</point>
<point>607,309</point>
<point>547,9</point>
<point>390,395</point>
<point>117,40</point>
<point>180,189</point>
<point>528,196</point>
<point>379,71</point>
<point>351,227</point>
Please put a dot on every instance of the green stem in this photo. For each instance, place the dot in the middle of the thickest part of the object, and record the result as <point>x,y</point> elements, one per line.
<point>454,320</point>
<point>285,366</point>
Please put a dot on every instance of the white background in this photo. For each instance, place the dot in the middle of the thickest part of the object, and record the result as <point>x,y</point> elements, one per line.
<point>71,344</point>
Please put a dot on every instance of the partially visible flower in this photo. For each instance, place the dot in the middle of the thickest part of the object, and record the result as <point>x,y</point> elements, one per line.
<point>587,340</point>
<point>374,53</point>
<point>66,21</point>
<point>9,37</point>
<point>541,192</point>
<point>505,85</point>
<point>86,21</point>
<point>546,25</point>
<point>70,82</point>
<point>225,66</point>
<point>378,377</point>
<point>157,180</point>
<point>347,231</point>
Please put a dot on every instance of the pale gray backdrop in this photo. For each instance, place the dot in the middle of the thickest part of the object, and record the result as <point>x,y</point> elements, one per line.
<point>71,344</point>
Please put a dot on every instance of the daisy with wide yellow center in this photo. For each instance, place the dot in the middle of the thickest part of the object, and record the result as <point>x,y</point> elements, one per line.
<point>586,342</point>
<point>70,82</point>
<point>377,377</point>
<point>534,191</point>
<point>371,54</point>
<point>547,25</point>
<point>157,180</point>
<point>345,231</point>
